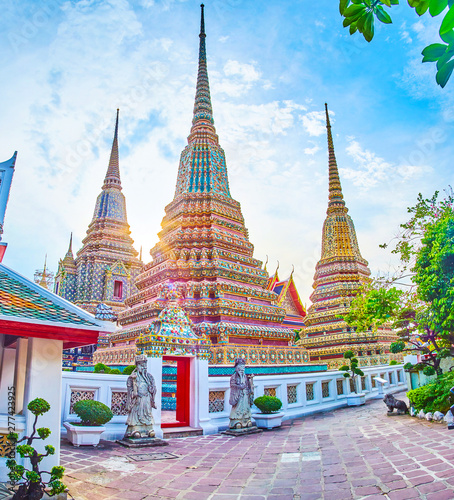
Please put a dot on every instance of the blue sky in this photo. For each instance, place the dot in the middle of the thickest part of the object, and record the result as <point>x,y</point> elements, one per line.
<point>67,66</point>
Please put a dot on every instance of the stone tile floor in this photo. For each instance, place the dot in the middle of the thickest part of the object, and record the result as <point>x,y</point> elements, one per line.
<point>350,453</point>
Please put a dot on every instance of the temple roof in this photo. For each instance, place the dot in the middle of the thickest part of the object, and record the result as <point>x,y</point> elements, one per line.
<point>285,288</point>
<point>25,302</point>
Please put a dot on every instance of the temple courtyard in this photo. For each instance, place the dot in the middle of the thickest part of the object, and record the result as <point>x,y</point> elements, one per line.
<point>350,453</point>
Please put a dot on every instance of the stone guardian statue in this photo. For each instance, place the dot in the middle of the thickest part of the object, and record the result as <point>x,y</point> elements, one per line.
<point>140,401</point>
<point>241,397</point>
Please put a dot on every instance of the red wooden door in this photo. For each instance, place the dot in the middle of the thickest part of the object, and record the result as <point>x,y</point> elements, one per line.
<point>182,392</point>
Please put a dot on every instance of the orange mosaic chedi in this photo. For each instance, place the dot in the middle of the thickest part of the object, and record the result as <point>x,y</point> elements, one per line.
<point>205,260</point>
<point>339,275</point>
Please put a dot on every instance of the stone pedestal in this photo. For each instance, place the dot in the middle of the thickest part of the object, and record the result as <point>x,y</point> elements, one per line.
<point>242,432</point>
<point>141,442</point>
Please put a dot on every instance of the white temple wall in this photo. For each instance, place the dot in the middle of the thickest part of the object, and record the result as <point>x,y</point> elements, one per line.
<point>301,394</point>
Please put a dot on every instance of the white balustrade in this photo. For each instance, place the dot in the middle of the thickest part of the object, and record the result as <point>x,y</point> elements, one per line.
<point>301,394</point>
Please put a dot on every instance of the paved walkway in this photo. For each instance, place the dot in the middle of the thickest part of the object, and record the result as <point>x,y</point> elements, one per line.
<point>351,453</point>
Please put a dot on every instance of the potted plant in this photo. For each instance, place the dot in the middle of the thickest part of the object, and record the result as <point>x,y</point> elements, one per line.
<point>29,483</point>
<point>352,371</point>
<point>93,415</point>
<point>269,416</point>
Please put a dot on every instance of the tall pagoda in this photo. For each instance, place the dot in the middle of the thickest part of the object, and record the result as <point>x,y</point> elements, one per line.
<point>339,275</point>
<point>204,260</point>
<point>105,267</point>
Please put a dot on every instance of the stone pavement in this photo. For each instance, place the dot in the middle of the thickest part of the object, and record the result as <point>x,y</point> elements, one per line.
<point>350,453</point>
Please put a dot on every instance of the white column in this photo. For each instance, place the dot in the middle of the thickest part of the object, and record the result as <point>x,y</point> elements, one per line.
<point>200,416</point>
<point>19,372</point>
<point>43,380</point>
<point>154,367</point>
<point>6,377</point>
<point>2,342</point>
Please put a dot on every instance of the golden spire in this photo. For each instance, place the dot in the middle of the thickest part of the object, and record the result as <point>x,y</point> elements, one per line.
<point>336,199</point>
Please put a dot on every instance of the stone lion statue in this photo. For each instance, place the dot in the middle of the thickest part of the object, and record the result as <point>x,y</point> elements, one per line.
<point>391,402</point>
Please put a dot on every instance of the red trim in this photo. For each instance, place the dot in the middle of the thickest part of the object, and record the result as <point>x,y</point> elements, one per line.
<point>183,391</point>
<point>72,337</point>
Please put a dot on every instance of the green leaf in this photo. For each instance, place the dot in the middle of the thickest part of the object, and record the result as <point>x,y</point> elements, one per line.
<point>422,7</point>
<point>353,28</point>
<point>368,30</point>
<point>444,73</point>
<point>387,2</point>
<point>383,16</point>
<point>433,52</point>
<point>343,4</point>
<point>437,7</point>
<point>442,61</point>
<point>360,22</point>
<point>448,21</point>
<point>353,10</point>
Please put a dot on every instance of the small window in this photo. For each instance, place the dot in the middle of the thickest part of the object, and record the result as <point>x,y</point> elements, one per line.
<point>118,289</point>
<point>211,295</point>
<point>57,288</point>
<point>196,295</point>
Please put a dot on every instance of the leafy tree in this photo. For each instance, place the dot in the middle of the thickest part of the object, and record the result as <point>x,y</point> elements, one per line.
<point>423,314</point>
<point>31,484</point>
<point>352,370</point>
<point>360,15</point>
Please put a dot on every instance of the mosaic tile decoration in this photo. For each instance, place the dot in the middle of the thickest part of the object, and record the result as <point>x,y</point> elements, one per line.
<point>204,253</point>
<point>339,274</point>
<point>19,300</point>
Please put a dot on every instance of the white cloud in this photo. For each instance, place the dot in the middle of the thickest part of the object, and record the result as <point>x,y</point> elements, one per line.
<point>371,170</point>
<point>247,72</point>
<point>314,122</point>
<point>313,150</point>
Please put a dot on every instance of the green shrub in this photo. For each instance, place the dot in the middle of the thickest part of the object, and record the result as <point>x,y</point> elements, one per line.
<point>101,368</point>
<point>393,362</point>
<point>92,412</point>
<point>268,404</point>
<point>434,396</point>
<point>129,369</point>
<point>408,366</point>
<point>115,371</point>
<point>428,371</point>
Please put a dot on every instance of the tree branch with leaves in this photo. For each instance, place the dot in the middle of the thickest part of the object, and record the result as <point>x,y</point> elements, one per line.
<point>360,15</point>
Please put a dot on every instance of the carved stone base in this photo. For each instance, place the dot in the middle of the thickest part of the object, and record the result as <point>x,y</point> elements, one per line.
<point>141,442</point>
<point>242,432</point>
<point>451,426</point>
<point>395,414</point>
<point>139,431</point>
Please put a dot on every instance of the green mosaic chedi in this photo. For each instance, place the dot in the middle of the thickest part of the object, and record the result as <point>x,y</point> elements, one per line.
<point>106,265</point>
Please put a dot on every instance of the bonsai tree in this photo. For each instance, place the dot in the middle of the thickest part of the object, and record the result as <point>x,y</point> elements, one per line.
<point>268,404</point>
<point>115,371</point>
<point>31,483</point>
<point>351,371</point>
<point>92,413</point>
